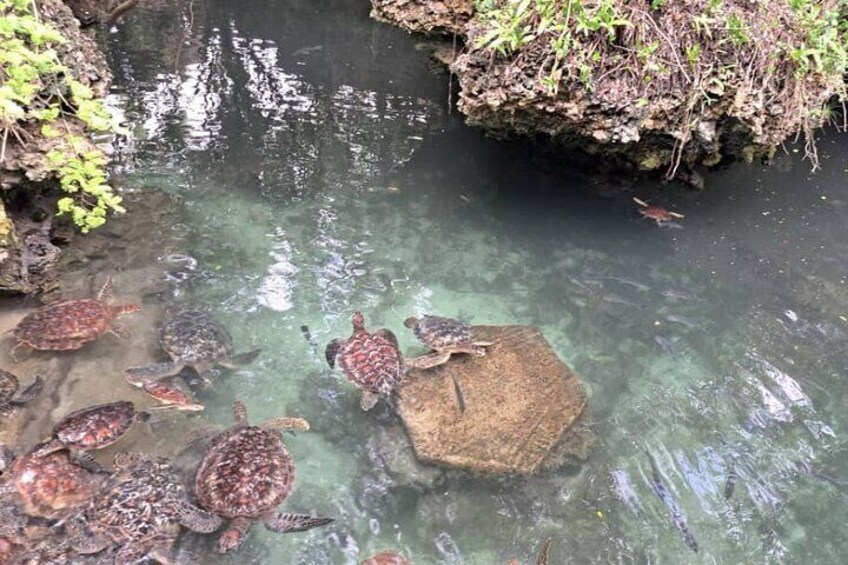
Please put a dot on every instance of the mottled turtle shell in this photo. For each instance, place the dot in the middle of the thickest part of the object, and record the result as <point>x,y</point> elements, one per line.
<point>247,472</point>
<point>193,336</point>
<point>65,325</point>
<point>443,333</point>
<point>52,484</point>
<point>138,502</point>
<point>386,558</point>
<point>96,426</point>
<point>371,361</point>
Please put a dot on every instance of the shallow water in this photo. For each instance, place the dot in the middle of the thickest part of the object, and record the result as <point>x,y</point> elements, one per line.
<point>319,171</point>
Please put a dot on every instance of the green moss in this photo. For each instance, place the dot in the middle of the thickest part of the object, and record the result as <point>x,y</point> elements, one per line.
<point>36,89</point>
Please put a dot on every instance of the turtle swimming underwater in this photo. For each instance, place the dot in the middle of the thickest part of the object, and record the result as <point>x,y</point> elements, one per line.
<point>70,324</point>
<point>138,511</point>
<point>9,386</point>
<point>371,361</point>
<point>192,339</point>
<point>445,337</point>
<point>90,428</point>
<point>245,474</point>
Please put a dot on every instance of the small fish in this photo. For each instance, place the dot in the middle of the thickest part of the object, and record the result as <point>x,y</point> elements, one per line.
<point>615,299</point>
<point>304,329</point>
<point>630,282</point>
<point>666,345</point>
<point>730,483</point>
<point>460,398</point>
<point>308,50</point>
<point>676,294</point>
<point>665,496</point>
<point>688,322</point>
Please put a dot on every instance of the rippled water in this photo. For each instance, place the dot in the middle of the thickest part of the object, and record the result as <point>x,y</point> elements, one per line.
<point>319,171</point>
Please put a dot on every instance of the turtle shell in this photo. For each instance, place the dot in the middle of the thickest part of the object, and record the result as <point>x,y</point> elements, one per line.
<point>65,325</point>
<point>443,333</point>
<point>372,362</point>
<point>138,502</point>
<point>386,558</point>
<point>96,426</point>
<point>247,472</point>
<point>51,484</point>
<point>8,385</point>
<point>193,336</point>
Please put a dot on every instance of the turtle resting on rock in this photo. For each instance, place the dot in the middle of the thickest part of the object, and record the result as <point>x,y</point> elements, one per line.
<point>70,324</point>
<point>445,337</point>
<point>138,511</point>
<point>192,339</point>
<point>94,427</point>
<point>9,395</point>
<point>245,474</point>
<point>371,361</point>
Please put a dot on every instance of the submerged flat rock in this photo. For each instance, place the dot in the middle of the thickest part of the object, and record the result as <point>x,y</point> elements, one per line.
<point>521,402</point>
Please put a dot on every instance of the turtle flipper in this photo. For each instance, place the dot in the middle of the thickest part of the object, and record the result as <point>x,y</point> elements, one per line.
<point>239,413</point>
<point>369,400</point>
<point>285,424</point>
<point>87,462</point>
<point>137,375</point>
<point>197,519</point>
<point>332,350</point>
<point>234,535</point>
<point>48,447</point>
<point>240,360</point>
<point>288,523</point>
<point>429,360</point>
<point>29,392</point>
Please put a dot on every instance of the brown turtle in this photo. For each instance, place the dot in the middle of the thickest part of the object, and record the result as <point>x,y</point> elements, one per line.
<point>48,486</point>
<point>657,213</point>
<point>138,512</point>
<point>9,395</point>
<point>371,361</point>
<point>542,558</point>
<point>93,427</point>
<point>169,396</point>
<point>70,324</point>
<point>386,558</point>
<point>245,474</point>
<point>445,336</point>
<point>192,339</point>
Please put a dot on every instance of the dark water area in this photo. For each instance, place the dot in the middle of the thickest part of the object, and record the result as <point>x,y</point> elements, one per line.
<point>318,170</point>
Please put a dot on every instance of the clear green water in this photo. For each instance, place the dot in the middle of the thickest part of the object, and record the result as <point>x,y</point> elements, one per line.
<point>320,173</point>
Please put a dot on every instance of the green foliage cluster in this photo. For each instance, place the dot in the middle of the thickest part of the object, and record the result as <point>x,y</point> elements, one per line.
<point>38,93</point>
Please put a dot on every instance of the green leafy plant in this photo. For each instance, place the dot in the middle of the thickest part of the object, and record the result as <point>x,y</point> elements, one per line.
<point>40,96</point>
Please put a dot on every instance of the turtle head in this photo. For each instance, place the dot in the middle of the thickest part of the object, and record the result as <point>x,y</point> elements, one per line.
<point>358,321</point>
<point>411,322</point>
<point>230,540</point>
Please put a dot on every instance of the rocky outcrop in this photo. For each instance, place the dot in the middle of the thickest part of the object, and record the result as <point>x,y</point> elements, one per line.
<point>425,16</point>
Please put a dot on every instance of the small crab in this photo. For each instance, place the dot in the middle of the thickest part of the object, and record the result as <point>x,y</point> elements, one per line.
<point>138,511</point>
<point>9,387</point>
<point>169,396</point>
<point>192,339</point>
<point>70,324</point>
<point>445,337</point>
<point>657,213</point>
<point>245,474</point>
<point>94,427</point>
<point>371,361</point>
<point>386,558</point>
<point>48,486</point>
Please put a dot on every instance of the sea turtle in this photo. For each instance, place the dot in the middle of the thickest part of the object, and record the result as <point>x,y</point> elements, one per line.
<point>9,387</point>
<point>47,486</point>
<point>138,511</point>
<point>192,339</point>
<point>70,324</point>
<point>657,213</point>
<point>90,428</point>
<point>445,337</point>
<point>170,396</point>
<point>371,361</point>
<point>542,558</point>
<point>386,558</point>
<point>245,474</point>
